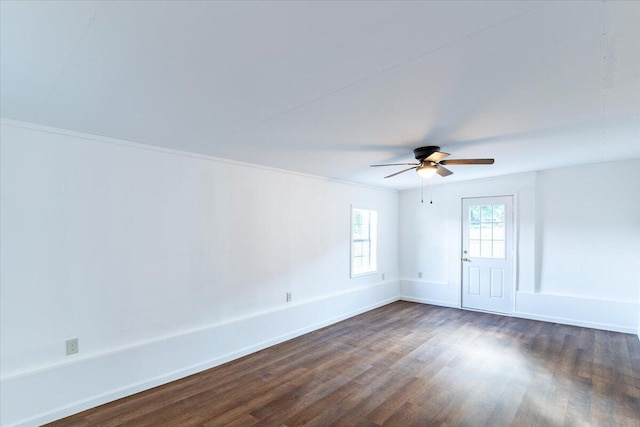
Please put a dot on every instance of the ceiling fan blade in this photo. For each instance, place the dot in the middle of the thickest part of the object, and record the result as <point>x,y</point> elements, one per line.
<point>442,171</point>
<point>437,156</point>
<point>398,173</point>
<point>395,164</point>
<point>468,162</point>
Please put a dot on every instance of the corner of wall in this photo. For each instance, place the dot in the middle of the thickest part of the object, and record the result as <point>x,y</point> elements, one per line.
<point>426,292</point>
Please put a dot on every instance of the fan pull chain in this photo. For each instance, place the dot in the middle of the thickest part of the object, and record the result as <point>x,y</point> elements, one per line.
<point>430,192</point>
<point>422,191</point>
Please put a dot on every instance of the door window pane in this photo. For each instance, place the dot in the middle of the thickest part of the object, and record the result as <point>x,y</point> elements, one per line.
<point>474,214</point>
<point>474,248</point>
<point>487,231</point>
<point>474,231</point>
<point>486,213</point>
<point>498,249</point>
<point>485,249</point>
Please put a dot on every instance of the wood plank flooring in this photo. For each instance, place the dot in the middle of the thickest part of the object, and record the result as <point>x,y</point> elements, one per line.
<point>406,364</point>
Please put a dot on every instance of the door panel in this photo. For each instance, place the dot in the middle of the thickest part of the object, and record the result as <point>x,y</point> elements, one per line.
<point>474,281</point>
<point>497,283</point>
<point>487,253</point>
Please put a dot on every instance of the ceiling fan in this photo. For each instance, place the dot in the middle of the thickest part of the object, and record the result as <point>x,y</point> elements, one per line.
<point>431,162</point>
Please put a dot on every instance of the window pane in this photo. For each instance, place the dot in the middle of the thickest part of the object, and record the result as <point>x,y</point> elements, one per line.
<point>498,231</point>
<point>474,248</point>
<point>486,231</point>
<point>474,214</point>
<point>486,213</point>
<point>363,241</point>
<point>357,264</point>
<point>485,249</point>
<point>357,249</point>
<point>357,224</point>
<point>365,225</point>
<point>365,249</point>
<point>360,224</point>
<point>474,231</point>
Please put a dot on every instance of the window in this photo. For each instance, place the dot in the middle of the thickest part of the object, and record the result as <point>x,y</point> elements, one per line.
<point>486,231</point>
<point>364,240</point>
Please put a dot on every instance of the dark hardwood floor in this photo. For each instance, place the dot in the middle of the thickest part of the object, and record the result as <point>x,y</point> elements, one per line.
<point>406,364</point>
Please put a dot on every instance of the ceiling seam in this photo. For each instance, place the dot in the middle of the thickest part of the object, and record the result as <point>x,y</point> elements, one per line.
<point>66,62</point>
<point>376,74</point>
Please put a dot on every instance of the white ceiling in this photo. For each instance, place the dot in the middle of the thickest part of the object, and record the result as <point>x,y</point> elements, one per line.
<point>329,88</point>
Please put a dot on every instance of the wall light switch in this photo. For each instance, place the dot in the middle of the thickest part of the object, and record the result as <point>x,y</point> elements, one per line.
<point>419,274</point>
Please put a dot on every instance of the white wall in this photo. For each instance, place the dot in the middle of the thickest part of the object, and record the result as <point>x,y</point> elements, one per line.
<point>590,231</point>
<point>162,263</point>
<point>578,242</point>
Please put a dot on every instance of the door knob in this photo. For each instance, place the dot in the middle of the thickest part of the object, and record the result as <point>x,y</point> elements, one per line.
<point>465,259</point>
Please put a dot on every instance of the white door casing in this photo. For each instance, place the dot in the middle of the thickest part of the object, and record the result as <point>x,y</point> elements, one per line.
<point>487,253</point>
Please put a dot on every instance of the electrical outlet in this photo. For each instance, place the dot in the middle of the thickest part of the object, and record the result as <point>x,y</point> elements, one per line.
<point>382,276</point>
<point>419,274</point>
<point>72,346</point>
<point>288,296</point>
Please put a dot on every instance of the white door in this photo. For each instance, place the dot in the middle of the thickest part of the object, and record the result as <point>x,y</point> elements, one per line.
<point>487,253</point>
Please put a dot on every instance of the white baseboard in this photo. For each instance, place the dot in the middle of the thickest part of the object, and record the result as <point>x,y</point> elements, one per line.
<point>45,395</point>
<point>573,322</point>
<point>429,301</point>
<point>429,293</point>
<point>609,315</point>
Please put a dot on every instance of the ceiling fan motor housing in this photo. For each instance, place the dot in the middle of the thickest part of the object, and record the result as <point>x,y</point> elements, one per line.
<point>422,153</point>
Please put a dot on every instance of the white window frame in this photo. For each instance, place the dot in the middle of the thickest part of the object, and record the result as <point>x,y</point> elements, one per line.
<point>373,243</point>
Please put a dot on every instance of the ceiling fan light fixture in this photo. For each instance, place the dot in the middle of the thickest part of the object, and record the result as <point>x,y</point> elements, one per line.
<point>432,161</point>
<point>426,171</point>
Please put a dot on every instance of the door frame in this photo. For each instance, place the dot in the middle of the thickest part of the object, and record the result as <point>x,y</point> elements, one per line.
<point>514,251</point>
